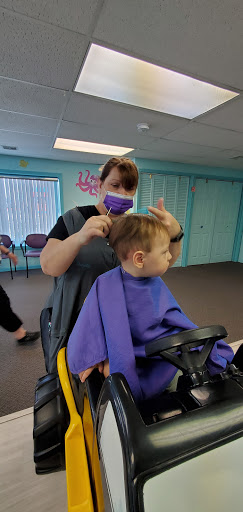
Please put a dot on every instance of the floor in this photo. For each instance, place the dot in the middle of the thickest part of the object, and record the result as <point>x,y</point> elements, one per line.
<point>21,490</point>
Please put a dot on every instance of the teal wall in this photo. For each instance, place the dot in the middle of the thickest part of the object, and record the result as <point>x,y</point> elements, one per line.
<point>68,174</point>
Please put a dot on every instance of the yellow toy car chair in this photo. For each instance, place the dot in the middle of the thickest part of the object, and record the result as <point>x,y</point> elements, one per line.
<point>80,450</point>
<point>181,451</point>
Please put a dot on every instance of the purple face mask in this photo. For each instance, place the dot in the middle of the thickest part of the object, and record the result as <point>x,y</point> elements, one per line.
<point>117,203</point>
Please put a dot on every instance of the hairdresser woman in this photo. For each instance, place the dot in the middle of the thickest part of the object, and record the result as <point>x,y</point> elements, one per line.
<point>78,251</point>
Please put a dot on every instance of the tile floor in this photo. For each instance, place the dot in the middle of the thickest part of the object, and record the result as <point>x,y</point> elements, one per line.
<point>21,490</point>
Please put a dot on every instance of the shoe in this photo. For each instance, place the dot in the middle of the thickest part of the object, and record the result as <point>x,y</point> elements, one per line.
<point>30,336</point>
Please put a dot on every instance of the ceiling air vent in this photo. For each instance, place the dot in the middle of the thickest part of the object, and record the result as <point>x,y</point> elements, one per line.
<point>10,148</point>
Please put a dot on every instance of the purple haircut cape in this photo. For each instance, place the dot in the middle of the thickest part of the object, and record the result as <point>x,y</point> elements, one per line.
<point>120,316</point>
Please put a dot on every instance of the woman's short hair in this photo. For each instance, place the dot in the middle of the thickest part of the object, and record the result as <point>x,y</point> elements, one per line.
<point>127,169</point>
<point>135,232</point>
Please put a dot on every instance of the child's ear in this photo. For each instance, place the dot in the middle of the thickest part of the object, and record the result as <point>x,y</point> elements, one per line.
<point>138,259</point>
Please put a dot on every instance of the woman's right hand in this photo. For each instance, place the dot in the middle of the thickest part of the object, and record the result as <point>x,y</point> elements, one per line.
<point>99,225</point>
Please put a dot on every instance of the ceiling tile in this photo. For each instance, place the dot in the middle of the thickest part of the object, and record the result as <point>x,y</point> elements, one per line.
<point>178,148</point>
<point>27,124</point>
<point>75,15</point>
<point>166,157</point>
<point>239,148</point>
<point>31,99</point>
<point>91,110</point>
<point>217,162</point>
<point>25,142</point>
<point>58,62</point>
<point>229,116</point>
<point>154,155</point>
<point>227,153</point>
<point>24,153</point>
<point>75,156</point>
<point>207,161</point>
<point>122,136</point>
<point>203,135</point>
<point>199,38</point>
<point>43,46</point>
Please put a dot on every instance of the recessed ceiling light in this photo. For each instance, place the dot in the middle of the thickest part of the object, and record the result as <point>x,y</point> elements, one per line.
<point>115,76</point>
<point>90,147</point>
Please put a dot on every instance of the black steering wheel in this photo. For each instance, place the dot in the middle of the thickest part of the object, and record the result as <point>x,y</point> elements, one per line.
<point>185,359</point>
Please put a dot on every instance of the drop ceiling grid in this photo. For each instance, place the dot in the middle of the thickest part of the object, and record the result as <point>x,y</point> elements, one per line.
<point>179,35</point>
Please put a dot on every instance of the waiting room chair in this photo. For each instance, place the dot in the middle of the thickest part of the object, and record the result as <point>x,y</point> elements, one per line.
<point>7,242</point>
<point>33,245</point>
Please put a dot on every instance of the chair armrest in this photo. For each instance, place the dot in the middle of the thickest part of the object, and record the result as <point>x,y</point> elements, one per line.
<point>13,245</point>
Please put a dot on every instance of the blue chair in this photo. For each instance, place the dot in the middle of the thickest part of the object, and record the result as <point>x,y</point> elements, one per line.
<point>7,242</point>
<point>33,245</point>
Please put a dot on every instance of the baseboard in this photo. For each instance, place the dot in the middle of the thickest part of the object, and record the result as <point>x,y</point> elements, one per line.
<point>20,268</point>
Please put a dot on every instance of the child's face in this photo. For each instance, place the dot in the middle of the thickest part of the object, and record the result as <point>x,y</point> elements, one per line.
<point>156,262</point>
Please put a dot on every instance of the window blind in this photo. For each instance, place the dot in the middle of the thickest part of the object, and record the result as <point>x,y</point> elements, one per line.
<point>28,205</point>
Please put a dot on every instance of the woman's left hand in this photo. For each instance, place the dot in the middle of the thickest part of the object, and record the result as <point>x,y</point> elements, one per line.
<point>168,220</point>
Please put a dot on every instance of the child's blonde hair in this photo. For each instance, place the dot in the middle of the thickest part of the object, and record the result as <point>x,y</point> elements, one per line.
<point>135,232</point>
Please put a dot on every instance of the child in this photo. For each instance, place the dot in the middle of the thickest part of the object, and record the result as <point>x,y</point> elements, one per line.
<point>130,306</point>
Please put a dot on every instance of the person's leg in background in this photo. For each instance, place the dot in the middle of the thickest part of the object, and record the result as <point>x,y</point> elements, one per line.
<point>12,323</point>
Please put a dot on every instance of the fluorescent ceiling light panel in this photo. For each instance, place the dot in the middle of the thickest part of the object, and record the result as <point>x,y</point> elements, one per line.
<point>115,76</point>
<point>90,147</point>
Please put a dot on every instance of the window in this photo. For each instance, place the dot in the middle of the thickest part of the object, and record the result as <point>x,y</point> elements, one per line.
<point>28,205</point>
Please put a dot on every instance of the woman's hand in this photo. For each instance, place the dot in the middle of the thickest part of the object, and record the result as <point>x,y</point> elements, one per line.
<point>99,225</point>
<point>168,220</point>
<point>57,256</point>
<point>171,224</point>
